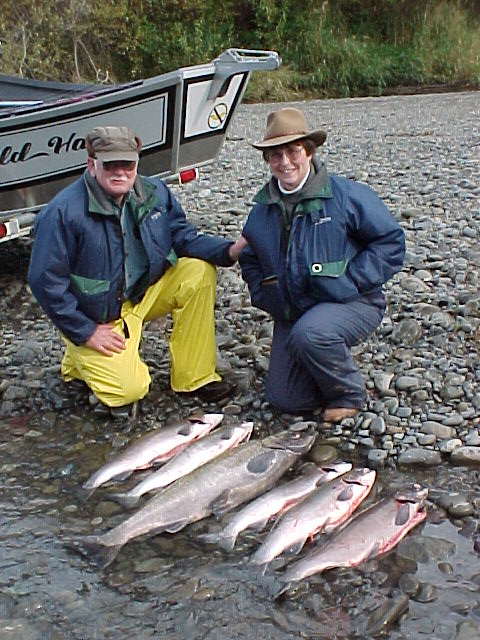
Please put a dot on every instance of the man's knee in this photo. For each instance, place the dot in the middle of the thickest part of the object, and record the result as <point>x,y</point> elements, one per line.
<point>121,391</point>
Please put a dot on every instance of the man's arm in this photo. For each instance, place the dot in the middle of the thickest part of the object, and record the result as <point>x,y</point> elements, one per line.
<point>49,276</point>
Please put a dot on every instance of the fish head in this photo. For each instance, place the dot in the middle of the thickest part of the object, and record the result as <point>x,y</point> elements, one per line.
<point>411,503</point>
<point>212,419</point>
<point>298,442</point>
<point>335,469</point>
<point>239,432</point>
<point>360,481</point>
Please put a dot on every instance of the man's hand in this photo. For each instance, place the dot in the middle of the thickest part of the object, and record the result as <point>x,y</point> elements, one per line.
<point>236,248</point>
<point>105,340</point>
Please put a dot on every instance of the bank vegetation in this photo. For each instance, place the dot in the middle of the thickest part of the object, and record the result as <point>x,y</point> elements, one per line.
<point>329,48</point>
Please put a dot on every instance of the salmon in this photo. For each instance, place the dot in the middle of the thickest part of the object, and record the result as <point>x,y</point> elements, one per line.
<point>372,533</point>
<point>190,458</point>
<point>233,478</point>
<point>322,510</point>
<point>152,448</point>
<point>276,501</point>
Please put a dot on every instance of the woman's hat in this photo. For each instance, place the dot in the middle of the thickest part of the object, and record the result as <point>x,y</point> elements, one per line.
<point>287,125</point>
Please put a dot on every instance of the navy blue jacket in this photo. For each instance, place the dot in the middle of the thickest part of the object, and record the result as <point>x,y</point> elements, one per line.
<point>343,244</point>
<point>77,264</point>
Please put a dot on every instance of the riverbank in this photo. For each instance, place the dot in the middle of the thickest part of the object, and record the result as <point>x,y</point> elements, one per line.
<point>421,423</point>
<point>420,153</point>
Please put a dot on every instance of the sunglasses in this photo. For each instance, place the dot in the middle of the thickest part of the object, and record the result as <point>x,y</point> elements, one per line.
<point>113,165</point>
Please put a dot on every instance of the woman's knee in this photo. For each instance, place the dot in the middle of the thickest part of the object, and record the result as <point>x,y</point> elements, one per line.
<point>305,338</point>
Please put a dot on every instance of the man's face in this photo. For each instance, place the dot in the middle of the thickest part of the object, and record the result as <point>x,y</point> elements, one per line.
<point>116,177</point>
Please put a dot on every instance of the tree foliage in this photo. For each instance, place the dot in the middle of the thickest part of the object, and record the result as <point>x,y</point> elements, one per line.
<point>334,47</point>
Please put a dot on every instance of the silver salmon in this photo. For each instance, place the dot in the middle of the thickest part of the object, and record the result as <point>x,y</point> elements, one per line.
<point>195,455</point>
<point>153,448</point>
<point>373,532</point>
<point>214,488</point>
<point>323,510</point>
<point>276,501</point>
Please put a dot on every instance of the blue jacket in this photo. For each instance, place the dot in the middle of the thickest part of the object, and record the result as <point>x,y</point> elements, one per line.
<point>343,244</point>
<point>77,264</point>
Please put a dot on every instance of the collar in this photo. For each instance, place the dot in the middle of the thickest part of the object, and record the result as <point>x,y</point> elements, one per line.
<point>141,198</point>
<point>317,186</point>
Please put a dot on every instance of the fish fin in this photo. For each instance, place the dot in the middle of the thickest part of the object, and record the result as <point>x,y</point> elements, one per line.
<point>124,475</point>
<point>185,430</point>
<point>279,589</point>
<point>209,538</point>
<point>260,525</point>
<point>83,493</point>
<point>92,547</point>
<point>346,494</point>
<point>402,515</point>
<point>174,527</point>
<point>297,547</point>
<point>261,463</point>
<point>219,506</point>
<point>373,552</point>
<point>227,542</point>
<point>126,500</point>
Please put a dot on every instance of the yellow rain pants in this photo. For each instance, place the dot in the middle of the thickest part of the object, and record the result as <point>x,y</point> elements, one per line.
<point>187,291</point>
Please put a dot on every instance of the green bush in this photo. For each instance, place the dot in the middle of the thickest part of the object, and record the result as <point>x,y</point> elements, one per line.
<point>341,48</point>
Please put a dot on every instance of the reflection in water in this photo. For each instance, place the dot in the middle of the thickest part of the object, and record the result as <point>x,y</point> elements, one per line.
<point>184,588</point>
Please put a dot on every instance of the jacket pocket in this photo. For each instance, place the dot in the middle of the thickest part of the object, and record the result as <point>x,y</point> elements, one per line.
<point>92,296</point>
<point>270,298</point>
<point>328,269</point>
<point>89,286</point>
<point>330,281</point>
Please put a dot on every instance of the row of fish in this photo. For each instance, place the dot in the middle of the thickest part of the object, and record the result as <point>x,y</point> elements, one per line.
<point>212,473</point>
<point>214,486</point>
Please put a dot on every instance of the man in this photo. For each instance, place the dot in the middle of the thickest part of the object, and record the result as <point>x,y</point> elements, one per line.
<point>114,250</point>
<point>319,249</point>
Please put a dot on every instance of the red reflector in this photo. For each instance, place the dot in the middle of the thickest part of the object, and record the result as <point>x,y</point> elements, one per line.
<point>3,230</point>
<point>188,175</point>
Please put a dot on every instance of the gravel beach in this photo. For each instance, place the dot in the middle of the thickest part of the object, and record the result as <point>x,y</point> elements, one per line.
<point>421,154</point>
<point>421,422</point>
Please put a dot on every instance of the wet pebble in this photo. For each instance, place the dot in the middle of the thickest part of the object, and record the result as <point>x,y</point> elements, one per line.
<point>323,453</point>
<point>420,457</point>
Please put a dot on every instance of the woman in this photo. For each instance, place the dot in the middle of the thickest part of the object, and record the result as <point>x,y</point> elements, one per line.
<point>319,249</point>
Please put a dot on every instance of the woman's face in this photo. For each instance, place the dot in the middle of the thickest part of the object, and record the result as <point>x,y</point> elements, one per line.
<point>289,163</point>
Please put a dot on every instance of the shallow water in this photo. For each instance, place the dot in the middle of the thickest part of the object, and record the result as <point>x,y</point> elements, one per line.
<point>173,586</point>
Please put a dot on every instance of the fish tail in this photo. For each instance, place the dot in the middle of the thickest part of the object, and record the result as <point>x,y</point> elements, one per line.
<point>279,589</point>
<point>83,493</point>
<point>95,550</point>
<point>227,542</point>
<point>125,499</point>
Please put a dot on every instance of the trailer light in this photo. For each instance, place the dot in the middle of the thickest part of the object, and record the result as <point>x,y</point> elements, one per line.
<point>3,230</point>
<point>188,175</point>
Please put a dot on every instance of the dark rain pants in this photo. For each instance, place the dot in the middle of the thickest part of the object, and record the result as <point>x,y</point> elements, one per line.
<point>310,362</point>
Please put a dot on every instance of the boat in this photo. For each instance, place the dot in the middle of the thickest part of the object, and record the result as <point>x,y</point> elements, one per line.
<point>182,118</point>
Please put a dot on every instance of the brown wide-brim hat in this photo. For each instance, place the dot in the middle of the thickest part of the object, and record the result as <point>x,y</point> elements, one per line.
<point>287,125</point>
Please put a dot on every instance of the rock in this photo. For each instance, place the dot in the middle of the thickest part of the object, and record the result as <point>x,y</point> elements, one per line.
<point>420,457</point>
<point>466,455</point>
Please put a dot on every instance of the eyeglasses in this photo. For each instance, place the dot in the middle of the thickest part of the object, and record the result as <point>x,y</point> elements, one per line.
<point>113,165</point>
<point>293,152</point>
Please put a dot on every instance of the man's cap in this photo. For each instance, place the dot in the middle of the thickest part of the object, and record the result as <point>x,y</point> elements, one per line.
<point>288,125</point>
<point>113,143</point>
